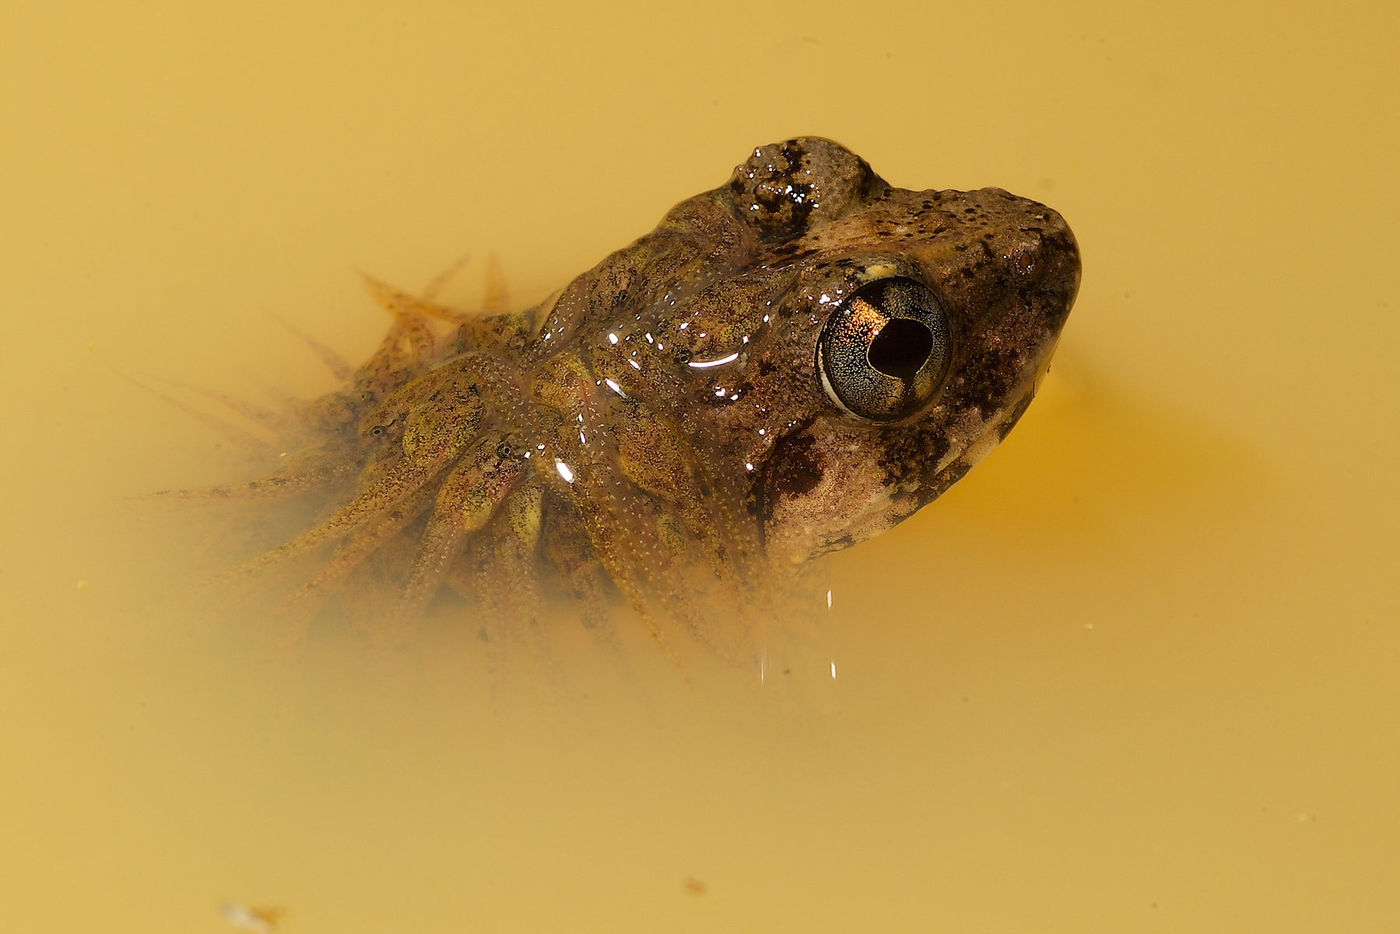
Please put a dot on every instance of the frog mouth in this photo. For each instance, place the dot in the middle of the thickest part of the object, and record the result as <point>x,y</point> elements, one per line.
<point>987,433</point>
<point>982,436</point>
<point>787,499</point>
<point>992,433</point>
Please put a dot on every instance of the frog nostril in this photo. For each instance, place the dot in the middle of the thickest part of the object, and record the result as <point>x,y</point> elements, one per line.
<point>901,348</point>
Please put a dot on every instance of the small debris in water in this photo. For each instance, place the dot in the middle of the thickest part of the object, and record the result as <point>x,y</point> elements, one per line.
<point>251,920</point>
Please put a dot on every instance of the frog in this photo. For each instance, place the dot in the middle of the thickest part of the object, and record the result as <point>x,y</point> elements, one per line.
<point>787,365</point>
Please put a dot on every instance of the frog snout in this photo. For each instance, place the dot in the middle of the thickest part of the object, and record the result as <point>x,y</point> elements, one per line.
<point>1057,261</point>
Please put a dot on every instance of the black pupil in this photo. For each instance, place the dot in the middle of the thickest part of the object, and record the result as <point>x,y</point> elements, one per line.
<point>900,348</point>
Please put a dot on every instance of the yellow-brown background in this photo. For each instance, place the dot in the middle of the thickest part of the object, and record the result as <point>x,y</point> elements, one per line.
<point>1136,673</point>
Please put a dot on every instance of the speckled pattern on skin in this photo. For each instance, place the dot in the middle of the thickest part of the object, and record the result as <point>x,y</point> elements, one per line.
<point>677,424</point>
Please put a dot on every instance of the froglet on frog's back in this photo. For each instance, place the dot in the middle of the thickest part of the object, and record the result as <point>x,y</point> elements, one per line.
<point>787,365</point>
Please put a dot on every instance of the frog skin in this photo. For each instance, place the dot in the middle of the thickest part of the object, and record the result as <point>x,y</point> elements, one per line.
<point>787,365</point>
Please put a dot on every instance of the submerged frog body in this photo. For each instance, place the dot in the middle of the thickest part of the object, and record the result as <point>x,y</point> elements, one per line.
<point>789,364</point>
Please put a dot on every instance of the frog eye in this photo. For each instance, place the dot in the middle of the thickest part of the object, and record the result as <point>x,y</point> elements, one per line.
<point>883,352</point>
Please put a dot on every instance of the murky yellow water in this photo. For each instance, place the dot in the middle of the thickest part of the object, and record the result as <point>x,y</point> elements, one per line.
<point>1137,672</point>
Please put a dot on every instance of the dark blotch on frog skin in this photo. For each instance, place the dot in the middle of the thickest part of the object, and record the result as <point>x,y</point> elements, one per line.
<point>792,470</point>
<point>782,184</point>
<point>906,456</point>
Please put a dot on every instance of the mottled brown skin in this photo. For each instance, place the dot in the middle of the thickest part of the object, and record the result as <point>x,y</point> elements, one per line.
<point>659,426</point>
